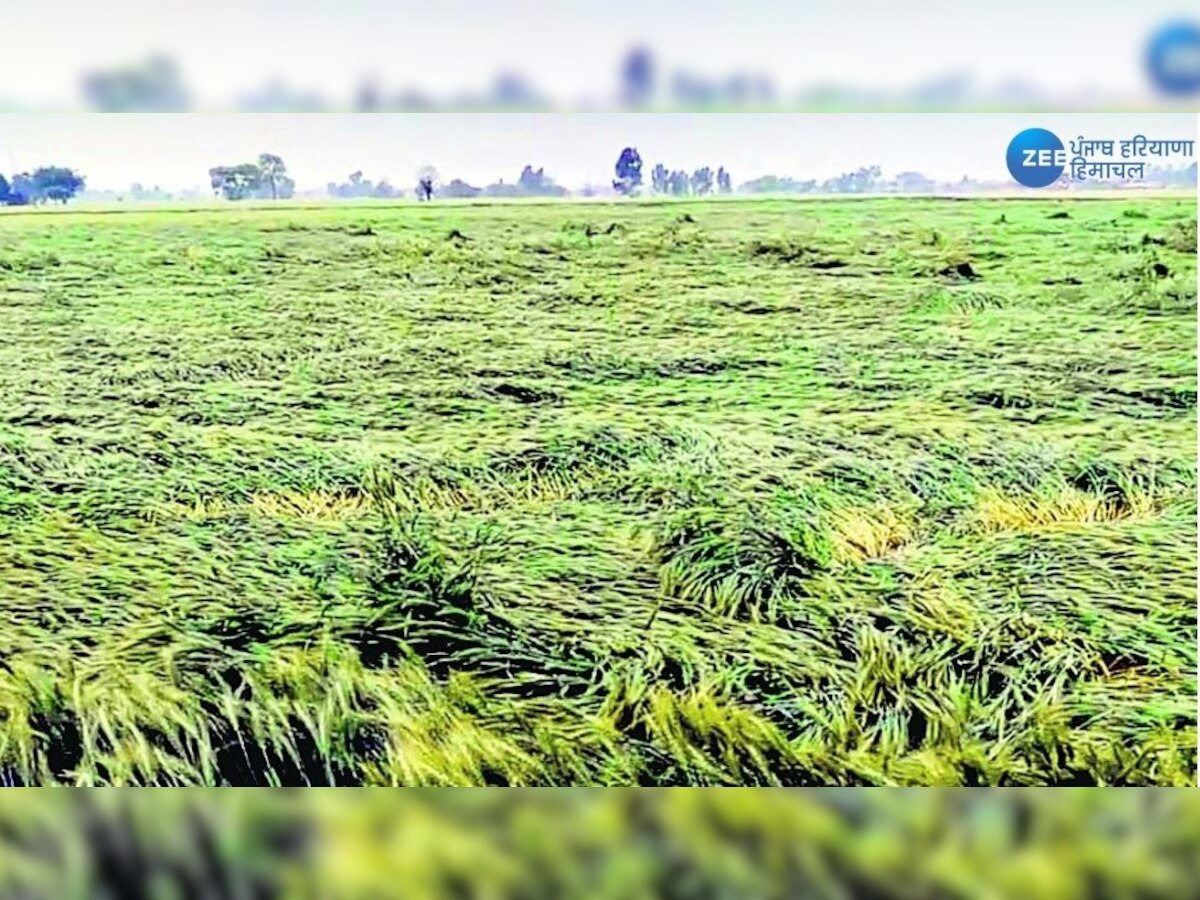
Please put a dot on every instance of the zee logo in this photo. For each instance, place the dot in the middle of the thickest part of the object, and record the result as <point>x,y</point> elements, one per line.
<point>1036,157</point>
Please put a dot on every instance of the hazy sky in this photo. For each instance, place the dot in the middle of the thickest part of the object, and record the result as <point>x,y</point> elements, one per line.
<point>176,151</point>
<point>571,47</point>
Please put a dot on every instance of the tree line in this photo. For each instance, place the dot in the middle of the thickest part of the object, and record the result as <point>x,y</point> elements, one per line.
<point>866,179</point>
<point>358,186</point>
<point>674,182</point>
<point>46,184</point>
<point>267,178</point>
<point>530,182</point>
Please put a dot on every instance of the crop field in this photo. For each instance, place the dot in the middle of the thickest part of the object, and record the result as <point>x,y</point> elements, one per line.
<point>880,491</point>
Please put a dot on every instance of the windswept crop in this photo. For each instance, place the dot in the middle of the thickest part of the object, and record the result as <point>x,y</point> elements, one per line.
<point>763,492</point>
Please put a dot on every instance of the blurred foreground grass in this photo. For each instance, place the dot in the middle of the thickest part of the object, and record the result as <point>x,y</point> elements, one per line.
<point>824,843</point>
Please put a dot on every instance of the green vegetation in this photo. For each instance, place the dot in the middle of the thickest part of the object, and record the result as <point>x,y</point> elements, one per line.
<point>827,844</point>
<point>832,492</point>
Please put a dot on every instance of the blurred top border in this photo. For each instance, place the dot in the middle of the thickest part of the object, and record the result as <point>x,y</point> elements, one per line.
<point>158,83</point>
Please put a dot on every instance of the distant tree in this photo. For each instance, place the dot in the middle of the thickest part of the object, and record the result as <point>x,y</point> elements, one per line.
<point>458,188</point>
<point>693,90</point>
<point>702,181</point>
<point>869,178</point>
<point>22,190</point>
<point>629,172</point>
<point>4,189</point>
<point>678,182</point>
<point>427,177</point>
<point>266,179</point>
<point>531,181</point>
<point>236,182</point>
<point>139,192</point>
<point>358,186</point>
<point>502,188</point>
<point>637,77</point>
<point>347,189</point>
<point>538,184</point>
<point>511,89</point>
<point>273,174</point>
<point>384,190</point>
<point>775,184</point>
<point>660,179</point>
<point>369,96</point>
<point>50,183</point>
<point>860,181</point>
<point>724,181</point>
<point>155,85</point>
<point>913,182</point>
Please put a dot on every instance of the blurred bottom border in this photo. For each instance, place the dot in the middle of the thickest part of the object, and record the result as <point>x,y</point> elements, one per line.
<point>573,842</point>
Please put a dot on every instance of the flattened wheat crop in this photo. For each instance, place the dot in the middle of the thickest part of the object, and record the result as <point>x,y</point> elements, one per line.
<point>763,492</point>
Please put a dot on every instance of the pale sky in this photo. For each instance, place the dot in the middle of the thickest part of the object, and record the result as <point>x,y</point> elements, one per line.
<point>176,151</point>
<point>571,48</point>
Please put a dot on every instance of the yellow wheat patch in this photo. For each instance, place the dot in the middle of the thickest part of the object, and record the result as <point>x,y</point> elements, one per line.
<point>200,509</point>
<point>429,496</point>
<point>712,735</point>
<point>530,488</point>
<point>548,487</point>
<point>861,533</point>
<point>997,512</point>
<point>314,505</point>
<point>320,505</point>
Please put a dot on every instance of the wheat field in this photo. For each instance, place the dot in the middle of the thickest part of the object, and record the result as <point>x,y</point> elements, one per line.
<point>845,492</point>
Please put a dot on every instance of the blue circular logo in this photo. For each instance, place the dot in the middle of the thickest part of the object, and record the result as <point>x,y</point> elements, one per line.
<point>1036,157</point>
<point>1173,58</point>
